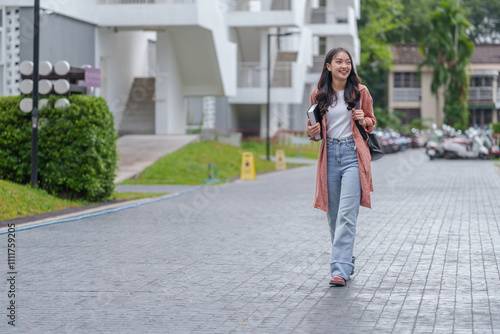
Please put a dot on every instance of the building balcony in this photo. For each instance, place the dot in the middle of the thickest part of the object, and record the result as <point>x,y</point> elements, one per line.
<point>252,75</point>
<point>325,23</point>
<point>142,2</point>
<point>259,5</point>
<point>497,103</point>
<point>148,14</point>
<point>194,27</point>
<point>481,94</point>
<point>252,83</point>
<point>265,13</point>
<point>407,94</point>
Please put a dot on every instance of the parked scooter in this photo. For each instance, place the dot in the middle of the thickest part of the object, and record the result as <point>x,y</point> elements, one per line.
<point>494,149</point>
<point>468,148</point>
<point>433,147</point>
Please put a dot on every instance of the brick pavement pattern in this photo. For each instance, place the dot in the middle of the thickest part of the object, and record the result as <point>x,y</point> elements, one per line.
<point>252,257</point>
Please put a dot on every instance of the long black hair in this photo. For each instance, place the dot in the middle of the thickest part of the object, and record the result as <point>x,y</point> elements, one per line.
<point>326,95</point>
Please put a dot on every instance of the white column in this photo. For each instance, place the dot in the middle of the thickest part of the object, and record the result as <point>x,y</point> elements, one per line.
<point>170,113</point>
<point>273,119</point>
<point>330,12</point>
<point>209,113</point>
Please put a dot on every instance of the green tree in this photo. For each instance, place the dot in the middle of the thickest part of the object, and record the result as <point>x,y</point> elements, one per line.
<point>484,16</point>
<point>447,50</point>
<point>378,17</point>
<point>415,21</point>
<point>387,119</point>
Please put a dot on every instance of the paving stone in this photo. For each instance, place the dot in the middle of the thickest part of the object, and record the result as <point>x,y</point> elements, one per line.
<point>252,257</point>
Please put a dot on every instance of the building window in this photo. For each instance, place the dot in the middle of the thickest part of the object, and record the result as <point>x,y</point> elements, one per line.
<point>481,81</point>
<point>342,20</point>
<point>406,80</point>
<point>480,117</point>
<point>322,46</point>
<point>318,4</point>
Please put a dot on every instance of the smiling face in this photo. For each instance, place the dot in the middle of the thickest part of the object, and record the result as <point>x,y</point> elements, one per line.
<point>340,66</point>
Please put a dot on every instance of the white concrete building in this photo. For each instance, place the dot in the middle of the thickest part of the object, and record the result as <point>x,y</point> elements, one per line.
<point>170,65</point>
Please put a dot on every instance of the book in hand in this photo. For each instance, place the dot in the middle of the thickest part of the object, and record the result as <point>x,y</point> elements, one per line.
<point>313,115</point>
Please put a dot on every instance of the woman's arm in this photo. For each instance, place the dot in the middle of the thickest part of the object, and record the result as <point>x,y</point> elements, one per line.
<point>367,107</point>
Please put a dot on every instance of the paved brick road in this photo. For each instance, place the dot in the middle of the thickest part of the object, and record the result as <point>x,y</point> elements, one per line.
<point>253,257</point>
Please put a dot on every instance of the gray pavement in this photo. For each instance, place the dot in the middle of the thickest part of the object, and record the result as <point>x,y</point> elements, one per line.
<point>137,152</point>
<point>252,256</point>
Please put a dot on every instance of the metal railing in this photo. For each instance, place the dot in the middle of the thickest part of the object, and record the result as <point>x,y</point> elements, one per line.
<point>249,74</point>
<point>282,75</point>
<point>258,5</point>
<point>318,15</point>
<point>481,93</point>
<point>407,94</point>
<point>144,2</point>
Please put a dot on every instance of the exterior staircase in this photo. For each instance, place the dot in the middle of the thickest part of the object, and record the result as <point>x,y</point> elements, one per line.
<point>139,114</point>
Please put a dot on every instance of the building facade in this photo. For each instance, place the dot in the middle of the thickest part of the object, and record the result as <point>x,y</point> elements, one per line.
<point>411,93</point>
<point>168,66</point>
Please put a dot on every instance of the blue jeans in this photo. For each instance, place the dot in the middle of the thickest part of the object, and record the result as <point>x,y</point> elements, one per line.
<point>344,194</point>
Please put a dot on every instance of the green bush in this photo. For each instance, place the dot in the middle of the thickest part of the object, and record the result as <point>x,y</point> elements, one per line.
<point>77,154</point>
<point>496,127</point>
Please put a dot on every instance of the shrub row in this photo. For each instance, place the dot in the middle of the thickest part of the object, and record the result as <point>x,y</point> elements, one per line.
<point>496,127</point>
<point>77,154</point>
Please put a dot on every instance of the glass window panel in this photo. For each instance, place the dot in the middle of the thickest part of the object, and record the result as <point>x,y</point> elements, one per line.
<point>416,81</point>
<point>322,45</point>
<point>488,116</point>
<point>397,80</point>
<point>407,79</point>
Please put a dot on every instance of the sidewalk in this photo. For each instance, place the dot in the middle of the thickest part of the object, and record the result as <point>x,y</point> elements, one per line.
<point>252,257</point>
<point>137,152</point>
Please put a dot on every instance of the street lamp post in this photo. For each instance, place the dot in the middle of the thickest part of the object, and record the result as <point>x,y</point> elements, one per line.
<point>268,111</point>
<point>34,114</point>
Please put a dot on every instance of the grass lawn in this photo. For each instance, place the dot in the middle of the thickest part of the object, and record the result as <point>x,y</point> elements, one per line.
<point>22,200</point>
<point>189,165</point>
<point>290,151</point>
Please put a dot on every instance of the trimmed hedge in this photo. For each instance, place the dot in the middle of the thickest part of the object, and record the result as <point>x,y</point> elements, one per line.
<point>496,127</point>
<point>77,155</point>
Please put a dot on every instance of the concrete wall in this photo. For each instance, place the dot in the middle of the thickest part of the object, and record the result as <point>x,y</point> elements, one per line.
<point>61,38</point>
<point>170,117</point>
<point>123,56</point>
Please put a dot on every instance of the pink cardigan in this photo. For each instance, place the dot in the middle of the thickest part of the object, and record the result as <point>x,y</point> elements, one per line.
<point>364,157</point>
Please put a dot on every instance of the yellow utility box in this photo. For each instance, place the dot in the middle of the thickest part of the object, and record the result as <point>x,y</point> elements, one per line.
<point>280,160</point>
<point>248,166</point>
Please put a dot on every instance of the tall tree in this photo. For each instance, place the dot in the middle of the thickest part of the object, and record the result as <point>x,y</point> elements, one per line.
<point>448,50</point>
<point>415,21</point>
<point>484,15</point>
<point>377,18</point>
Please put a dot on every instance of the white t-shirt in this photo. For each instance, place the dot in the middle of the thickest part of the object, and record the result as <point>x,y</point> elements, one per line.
<point>338,119</point>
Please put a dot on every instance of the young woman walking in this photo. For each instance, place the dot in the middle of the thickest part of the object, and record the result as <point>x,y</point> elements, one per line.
<point>343,180</point>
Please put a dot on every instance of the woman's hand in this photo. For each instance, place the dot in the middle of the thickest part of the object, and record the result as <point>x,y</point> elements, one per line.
<point>359,115</point>
<point>313,130</point>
